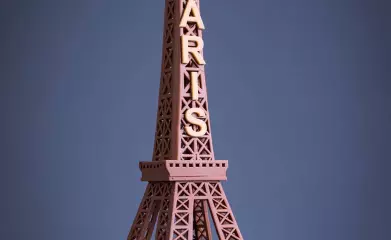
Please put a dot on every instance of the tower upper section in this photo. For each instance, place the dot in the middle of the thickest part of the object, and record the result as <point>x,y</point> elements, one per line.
<point>183,123</point>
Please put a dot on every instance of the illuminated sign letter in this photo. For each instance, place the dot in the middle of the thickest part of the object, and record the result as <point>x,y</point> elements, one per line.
<point>194,85</point>
<point>193,120</point>
<point>195,51</point>
<point>191,7</point>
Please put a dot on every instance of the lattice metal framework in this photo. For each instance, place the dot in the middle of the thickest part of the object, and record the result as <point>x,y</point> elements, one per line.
<point>178,197</point>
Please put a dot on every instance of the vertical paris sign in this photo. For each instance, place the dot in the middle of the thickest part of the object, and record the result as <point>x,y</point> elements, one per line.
<point>191,13</point>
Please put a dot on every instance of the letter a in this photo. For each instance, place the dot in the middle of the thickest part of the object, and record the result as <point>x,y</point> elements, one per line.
<point>191,7</point>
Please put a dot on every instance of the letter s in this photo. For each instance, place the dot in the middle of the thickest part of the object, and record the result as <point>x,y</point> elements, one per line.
<point>193,120</point>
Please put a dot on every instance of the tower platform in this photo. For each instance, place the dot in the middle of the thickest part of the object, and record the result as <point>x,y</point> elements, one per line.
<point>180,170</point>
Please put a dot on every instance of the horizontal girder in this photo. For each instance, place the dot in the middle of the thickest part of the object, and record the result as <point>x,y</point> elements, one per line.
<point>179,170</point>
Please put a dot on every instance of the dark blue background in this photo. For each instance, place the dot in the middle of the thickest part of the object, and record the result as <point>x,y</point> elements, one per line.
<point>300,103</point>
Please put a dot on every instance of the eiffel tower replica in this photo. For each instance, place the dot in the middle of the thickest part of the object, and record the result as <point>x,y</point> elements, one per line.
<point>183,177</point>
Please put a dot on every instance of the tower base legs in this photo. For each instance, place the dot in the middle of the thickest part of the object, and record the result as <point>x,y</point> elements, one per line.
<point>181,211</point>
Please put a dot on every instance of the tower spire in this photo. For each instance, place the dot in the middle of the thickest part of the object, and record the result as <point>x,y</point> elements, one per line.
<point>183,176</point>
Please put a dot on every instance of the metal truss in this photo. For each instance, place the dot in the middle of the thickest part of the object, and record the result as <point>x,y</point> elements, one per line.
<point>181,211</point>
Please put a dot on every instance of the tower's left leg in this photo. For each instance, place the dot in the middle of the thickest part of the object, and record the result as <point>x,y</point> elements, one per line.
<point>181,212</point>
<point>163,227</point>
<point>146,215</point>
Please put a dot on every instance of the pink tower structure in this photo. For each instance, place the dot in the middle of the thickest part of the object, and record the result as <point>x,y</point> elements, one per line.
<point>183,177</point>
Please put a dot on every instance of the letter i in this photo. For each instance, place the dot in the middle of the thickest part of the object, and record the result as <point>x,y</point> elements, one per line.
<point>194,85</point>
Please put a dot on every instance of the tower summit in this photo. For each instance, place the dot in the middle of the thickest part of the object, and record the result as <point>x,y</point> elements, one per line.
<point>183,176</point>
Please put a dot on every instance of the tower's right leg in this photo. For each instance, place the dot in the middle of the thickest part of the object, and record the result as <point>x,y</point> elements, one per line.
<point>224,220</point>
<point>201,220</point>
